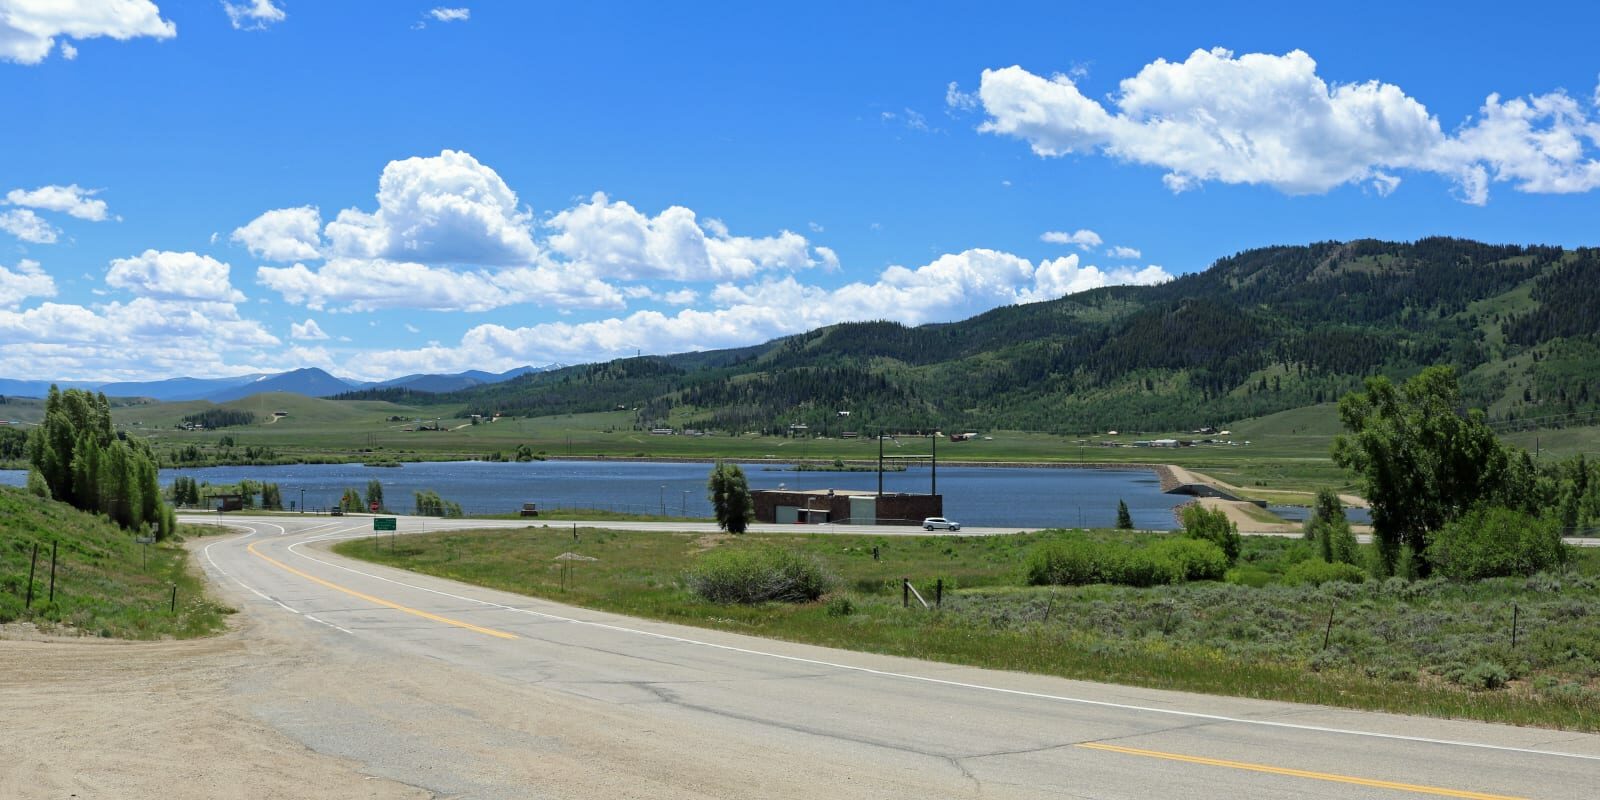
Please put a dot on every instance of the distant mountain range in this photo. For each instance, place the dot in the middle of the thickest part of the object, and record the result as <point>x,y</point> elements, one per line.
<point>311,382</point>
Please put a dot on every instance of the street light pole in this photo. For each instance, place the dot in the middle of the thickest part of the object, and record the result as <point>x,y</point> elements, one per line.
<point>302,499</point>
<point>683,510</point>
<point>663,499</point>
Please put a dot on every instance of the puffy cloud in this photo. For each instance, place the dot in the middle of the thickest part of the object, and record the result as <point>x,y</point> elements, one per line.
<point>255,15</point>
<point>141,321</point>
<point>168,275</point>
<point>308,330</point>
<point>951,287</point>
<point>438,210</point>
<point>1269,119</point>
<point>370,284</point>
<point>28,30</point>
<point>1125,253</point>
<point>451,14</point>
<point>72,199</point>
<point>1083,238</point>
<point>613,239</point>
<point>28,226</point>
<point>285,234</point>
<point>27,280</point>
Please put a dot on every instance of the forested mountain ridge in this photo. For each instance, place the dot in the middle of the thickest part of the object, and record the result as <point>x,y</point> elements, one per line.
<point>1258,332</point>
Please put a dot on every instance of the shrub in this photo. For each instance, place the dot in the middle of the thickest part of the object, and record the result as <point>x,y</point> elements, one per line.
<point>1196,560</point>
<point>1316,572</point>
<point>1073,562</point>
<point>1254,577</point>
<point>1496,542</point>
<point>840,606</point>
<point>758,575</point>
<point>1213,526</point>
<point>1077,562</point>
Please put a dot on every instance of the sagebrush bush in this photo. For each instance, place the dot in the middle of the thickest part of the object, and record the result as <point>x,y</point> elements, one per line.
<point>1496,542</point>
<point>1315,572</point>
<point>758,575</point>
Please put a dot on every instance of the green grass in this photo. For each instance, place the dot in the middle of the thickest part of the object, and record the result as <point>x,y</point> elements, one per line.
<point>1409,648</point>
<point>105,585</point>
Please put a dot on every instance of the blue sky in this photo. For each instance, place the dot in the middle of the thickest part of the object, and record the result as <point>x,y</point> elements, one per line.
<point>379,188</point>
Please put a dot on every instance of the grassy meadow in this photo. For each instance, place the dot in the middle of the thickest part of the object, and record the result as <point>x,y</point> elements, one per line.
<point>1287,454</point>
<point>1427,647</point>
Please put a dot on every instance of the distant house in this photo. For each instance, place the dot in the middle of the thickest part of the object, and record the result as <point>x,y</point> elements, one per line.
<point>963,437</point>
<point>660,431</point>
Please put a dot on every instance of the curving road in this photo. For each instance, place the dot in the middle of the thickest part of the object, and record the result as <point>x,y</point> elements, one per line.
<point>492,695</point>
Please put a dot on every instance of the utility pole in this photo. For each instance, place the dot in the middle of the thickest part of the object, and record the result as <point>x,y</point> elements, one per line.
<point>880,462</point>
<point>933,487</point>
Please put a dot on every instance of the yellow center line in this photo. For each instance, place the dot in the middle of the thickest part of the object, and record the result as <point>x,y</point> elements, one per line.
<point>380,601</point>
<point>1298,773</point>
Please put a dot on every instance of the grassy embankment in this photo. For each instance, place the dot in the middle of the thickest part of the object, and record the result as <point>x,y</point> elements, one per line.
<point>105,583</point>
<point>1427,648</point>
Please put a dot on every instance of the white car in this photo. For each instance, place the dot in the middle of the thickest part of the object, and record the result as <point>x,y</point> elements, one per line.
<point>937,523</point>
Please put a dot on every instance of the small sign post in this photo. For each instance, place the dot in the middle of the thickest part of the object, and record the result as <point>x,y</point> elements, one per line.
<point>386,524</point>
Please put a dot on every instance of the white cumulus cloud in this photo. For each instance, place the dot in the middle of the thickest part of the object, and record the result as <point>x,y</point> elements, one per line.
<point>440,209</point>
<point>613,239</point>
<point>28,226</point>
<point>72,199</point>
<point>168,275</point>
<point>27,280</point>
<point>1272,120</point>
<point>308,330</point>
<point>443,14</point>
<point>255,15</point>
<point>1124,253</point>
<point>1083,238</point>
<point>29,28</point>
<point>345,284</point>
<point>285,234</point>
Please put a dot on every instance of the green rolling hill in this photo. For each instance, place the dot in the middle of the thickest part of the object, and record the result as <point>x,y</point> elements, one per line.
<point>1258,333</point>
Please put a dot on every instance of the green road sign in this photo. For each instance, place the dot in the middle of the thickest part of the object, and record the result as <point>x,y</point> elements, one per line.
<point>383,523</point>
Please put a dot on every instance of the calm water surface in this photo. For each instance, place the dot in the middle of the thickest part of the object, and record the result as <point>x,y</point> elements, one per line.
<point>988,496</point>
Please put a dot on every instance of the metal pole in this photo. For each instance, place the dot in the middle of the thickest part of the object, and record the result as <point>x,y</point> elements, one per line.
<point>31,564</point>
<point>53,581</point>
<point>933,487</point>
<point>663,499</point>
<point>880,463</point>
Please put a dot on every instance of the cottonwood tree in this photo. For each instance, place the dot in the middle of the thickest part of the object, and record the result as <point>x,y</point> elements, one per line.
<point>81,461</point>
<point>1424,460</point>
<point>729,493</point>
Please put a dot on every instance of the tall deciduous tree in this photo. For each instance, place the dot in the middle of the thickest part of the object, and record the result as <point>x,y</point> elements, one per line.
<point>81,461</point>
<point>375,494</point>
<point>1424,460</point>
<point>730,497</point>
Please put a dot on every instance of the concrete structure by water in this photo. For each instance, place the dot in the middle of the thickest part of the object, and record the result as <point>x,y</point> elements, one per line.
<point>845,506</point>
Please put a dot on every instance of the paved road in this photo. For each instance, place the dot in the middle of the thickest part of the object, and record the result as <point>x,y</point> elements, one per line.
<point>661,703</point>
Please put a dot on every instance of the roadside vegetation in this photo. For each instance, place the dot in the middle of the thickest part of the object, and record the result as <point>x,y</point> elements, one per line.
<point>106,583</point>
<point>1467,603</point>
<point>1277,626</point>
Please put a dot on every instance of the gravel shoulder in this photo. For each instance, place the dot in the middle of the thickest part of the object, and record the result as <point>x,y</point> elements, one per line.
<point>96,718</point>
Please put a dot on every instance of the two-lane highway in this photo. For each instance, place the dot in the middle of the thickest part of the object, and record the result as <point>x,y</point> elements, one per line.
<point>521,692</point>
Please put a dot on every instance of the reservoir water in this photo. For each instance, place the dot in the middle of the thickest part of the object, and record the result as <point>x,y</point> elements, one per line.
<point>974,496</point>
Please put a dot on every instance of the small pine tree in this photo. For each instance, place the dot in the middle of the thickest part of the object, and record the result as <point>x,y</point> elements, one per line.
<point>1124,519</point>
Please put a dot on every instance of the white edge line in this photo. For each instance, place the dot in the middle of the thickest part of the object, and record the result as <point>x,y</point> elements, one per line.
<point>937,681</point>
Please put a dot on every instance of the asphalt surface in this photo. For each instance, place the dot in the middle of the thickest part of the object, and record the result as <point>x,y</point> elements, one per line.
<point>841,724</point>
